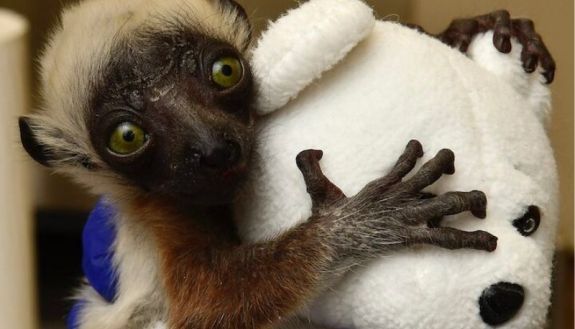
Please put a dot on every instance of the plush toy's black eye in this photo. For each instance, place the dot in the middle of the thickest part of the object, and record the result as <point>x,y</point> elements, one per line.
<point>529,222</point>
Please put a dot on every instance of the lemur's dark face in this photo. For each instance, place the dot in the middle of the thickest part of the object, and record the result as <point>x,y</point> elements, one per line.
<point>174,116</point>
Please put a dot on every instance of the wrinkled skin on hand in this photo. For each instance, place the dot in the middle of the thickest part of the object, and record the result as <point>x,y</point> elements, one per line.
<point>392,212</point>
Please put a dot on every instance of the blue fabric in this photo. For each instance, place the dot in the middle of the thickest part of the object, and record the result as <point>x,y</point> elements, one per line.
<point>97,240</point>
<point>72,320</point>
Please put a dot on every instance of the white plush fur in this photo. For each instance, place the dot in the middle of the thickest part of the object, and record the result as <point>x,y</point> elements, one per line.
<point>283,61</point>
<point>397,85</point>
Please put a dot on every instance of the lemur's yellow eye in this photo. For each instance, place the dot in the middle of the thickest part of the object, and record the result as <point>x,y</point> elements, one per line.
<point>127,138</point>
<point>227,72</point>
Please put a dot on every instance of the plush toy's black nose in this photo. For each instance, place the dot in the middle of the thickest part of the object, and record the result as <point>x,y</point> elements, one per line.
<point>222,156</point>
<point>500,302</point>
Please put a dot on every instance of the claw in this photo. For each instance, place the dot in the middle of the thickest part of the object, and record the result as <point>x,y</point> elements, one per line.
<point>306,159</point>
<point>549,76</point>
<point>449,161</point>
<point>486,241</point>
<point>529,62</point>
<point>478,204</point>
<point>415,147</point>
<point>502,41</point>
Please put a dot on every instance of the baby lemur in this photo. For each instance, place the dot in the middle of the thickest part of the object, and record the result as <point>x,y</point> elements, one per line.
<point>150,103</point>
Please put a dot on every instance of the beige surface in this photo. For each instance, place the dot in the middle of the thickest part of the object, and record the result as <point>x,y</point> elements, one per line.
<point>17,297</point>
<point>554,20</point>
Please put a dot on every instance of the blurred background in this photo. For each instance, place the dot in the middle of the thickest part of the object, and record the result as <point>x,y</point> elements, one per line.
<point>43,240</point>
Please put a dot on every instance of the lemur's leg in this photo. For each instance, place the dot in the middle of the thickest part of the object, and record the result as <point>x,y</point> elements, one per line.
<point>460,33</point>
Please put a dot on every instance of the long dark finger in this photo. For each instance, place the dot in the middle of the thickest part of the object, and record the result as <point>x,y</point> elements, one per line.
<point>448,204</point>
<point>442,163</point>
<point>459,32</point>
<point>524,30</point>
<point>450,238</point>
<point>502,31</point>
<point>435,221</point>
<point>548,64</point>
<point>464,42</point>
<point>321,190</point>
<point>431,210</point>
<point>534,49</point>
<point>529,58</point>
<point>402,167</point>
<point>406,161</point>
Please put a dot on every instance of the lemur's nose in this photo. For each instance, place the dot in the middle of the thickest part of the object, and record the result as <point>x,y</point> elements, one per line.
<point>500,302</point>
<point>222,155</point>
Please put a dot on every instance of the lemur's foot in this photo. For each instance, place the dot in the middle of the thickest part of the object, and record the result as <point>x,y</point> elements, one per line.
<point>460,33</point>
<point>392,211</point>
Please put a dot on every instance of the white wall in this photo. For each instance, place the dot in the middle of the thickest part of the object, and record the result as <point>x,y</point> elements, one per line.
<point>17,288</point>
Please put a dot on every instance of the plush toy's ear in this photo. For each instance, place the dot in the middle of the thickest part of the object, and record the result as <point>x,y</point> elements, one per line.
<point>304,43</point>
<point>508,67</point>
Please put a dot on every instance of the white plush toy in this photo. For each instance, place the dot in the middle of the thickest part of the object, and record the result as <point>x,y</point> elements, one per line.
<point>333,78</point>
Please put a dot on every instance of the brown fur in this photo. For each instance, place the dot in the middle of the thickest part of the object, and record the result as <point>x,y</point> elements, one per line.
<point>214,282</point>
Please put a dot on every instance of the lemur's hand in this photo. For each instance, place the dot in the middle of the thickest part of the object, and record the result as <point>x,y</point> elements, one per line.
<point>461,31</point>
<point>390,212</point>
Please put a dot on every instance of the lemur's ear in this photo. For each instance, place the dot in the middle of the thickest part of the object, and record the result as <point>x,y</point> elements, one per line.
<point>31,144</point>
<point>237,6</point>
<point>239,9</point>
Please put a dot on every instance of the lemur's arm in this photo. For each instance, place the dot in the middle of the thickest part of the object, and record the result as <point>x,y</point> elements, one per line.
<point>460,33</point>
<point>255,286</point>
